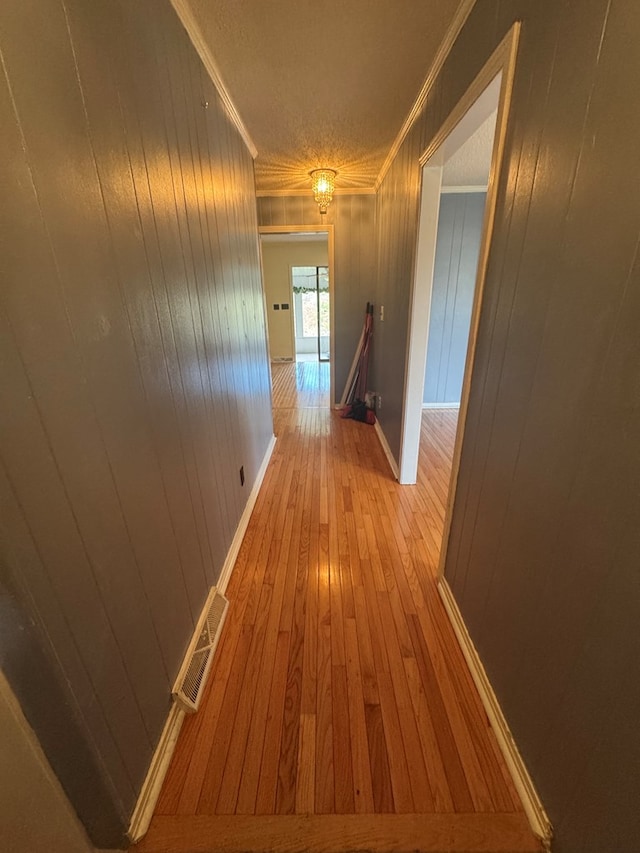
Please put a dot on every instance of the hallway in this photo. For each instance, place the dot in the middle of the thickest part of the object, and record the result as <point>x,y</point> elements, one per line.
<point>338,687</point>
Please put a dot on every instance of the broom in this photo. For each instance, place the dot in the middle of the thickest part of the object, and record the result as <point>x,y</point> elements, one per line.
<point>356,388</point>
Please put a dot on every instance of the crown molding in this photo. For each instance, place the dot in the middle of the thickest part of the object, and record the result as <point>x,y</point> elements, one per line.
<point>194,32</point>
<point>458,22</point>
<point>305,192</point>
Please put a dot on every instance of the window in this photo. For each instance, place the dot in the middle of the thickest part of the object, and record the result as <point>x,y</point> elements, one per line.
<point>306,299</point>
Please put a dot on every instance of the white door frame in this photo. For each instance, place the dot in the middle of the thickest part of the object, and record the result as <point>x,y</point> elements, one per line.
<point>502,62</point>
<point>321,229</point>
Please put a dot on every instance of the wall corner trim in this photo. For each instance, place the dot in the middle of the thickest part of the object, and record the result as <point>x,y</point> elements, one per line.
<point>241,529</point>
<point>382,438</point>
<point>458,22</point>
<point>534,810</point>
<point>143,812</point>
<point>189,22</point>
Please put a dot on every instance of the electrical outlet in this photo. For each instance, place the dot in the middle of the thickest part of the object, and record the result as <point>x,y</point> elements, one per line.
<point>379,402</point>
<point>242,475</point>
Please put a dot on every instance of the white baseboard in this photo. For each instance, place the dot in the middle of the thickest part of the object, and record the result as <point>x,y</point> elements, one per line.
<point>241,529</point>
<point>143,812</point>
<point>150,792</point>
<point>538,818</point>
<point>387,450</point>
<point>441,405</point>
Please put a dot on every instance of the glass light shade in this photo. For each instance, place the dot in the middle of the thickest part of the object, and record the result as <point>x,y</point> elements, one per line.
<point>323,184</point>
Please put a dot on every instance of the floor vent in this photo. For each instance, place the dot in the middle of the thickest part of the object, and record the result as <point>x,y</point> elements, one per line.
<point>193,673</point>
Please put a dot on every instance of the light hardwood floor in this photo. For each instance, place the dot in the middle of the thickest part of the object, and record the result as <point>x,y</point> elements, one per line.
<point>340,714</point>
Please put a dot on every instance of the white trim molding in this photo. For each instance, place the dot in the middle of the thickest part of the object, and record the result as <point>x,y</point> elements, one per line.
<point>531,802</point>
<point>189,22</point>
<point>458,22</point>
<point>143,812</point>
<point>382,438</point>
<point>232,555</point>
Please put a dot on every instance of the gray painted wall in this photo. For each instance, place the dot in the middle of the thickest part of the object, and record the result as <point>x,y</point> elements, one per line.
<point>454,279</point>
<point>545,542</point>
<point>36,815</point>
<point>134,374</point>
<point>353,218</point>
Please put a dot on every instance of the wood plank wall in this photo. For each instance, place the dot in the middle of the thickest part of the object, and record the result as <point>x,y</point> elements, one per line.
<point>544,550</point>
<point>134,369</point>
<point>454,280</point>
<point>353,218</point>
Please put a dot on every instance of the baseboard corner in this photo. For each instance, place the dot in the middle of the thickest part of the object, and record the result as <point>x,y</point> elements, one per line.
<point>531,802</point>
<point>387,450</point>
<point>152,785</point>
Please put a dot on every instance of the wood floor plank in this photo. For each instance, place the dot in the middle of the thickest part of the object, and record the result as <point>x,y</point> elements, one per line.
<point>457,781</point>
<point>198,751</point>
<point>362,787</point>
<point>231,773</point>
<point>342,764</point>
<point>268,779</point>
<point>338,685</point>
<point>397,683</point>
<point>365,648</point>
<point>483,739</point>
<point>383,833</point>
<point>306,775</point>
<point>379,761</point>
<point>310,652</point>
<point>325,786</point>
<point>398,766</point>
<point>438,782</point>
<point>289,739</point>
<point>248,790</point>
<point>477,784</point>
<point>217,757</point>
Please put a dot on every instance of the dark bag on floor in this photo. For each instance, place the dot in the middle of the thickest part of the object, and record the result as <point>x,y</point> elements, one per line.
<point>359,411</point>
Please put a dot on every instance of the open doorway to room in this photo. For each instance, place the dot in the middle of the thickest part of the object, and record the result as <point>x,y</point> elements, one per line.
<point>460,172</point>
<point>297,266</point>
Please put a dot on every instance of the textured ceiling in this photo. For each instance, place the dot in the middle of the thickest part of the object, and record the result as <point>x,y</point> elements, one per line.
<point>322,82</point>
<point>469,165</point>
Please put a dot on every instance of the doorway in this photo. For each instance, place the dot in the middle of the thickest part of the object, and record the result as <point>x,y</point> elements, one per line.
<point>460,171</point>
<point>293,336</point>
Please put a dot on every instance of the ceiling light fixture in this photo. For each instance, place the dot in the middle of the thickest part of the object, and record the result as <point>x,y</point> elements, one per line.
<point>323,184</point>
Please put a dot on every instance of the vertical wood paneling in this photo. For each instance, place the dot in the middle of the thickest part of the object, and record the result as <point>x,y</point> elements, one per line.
<point>133,358</point>
<point>355,256</point>
<point>397,219</point>
<point>544,549</point>
<point>454,278</point>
